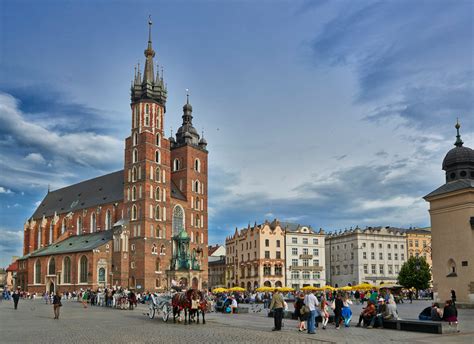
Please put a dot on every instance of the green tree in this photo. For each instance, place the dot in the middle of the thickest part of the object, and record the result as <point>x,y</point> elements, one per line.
<point>415,273</point>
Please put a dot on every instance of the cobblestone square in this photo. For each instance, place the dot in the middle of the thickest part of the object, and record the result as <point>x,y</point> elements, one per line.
<point>33,323</point>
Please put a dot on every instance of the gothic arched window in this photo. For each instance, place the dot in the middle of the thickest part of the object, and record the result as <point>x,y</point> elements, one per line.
<point>157,193</point>
<point>67,270</point>
<point>108,219</point>
<point>197,165</point>
<point>83,270</point>
<point>63,225</point>
<point>134,174</point>
<point>134,193</point>
<point>51,232</point>
<point>178,219</point>
<point>157,156</point>
<point>158,140</point>
<point>134,212</point>
<point>135,138</point>
<point>102,275</point>
<point>79,225</point>
<point>38,272</point>
<point>176,165</point>
<point>52,266</point>
<point>158,175</point>
<point>135,156</point>
<point>157,212</point>
<point>93,225</point>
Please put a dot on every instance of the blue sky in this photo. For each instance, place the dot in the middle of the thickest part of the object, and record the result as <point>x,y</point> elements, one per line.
<point>329,113</point>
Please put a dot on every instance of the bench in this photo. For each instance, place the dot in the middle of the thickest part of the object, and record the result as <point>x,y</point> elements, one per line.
<point>291,315</point>
<point>241,310</point>
<point>426,326</point>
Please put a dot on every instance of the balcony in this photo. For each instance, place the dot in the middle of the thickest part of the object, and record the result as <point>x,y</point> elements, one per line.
<point>306,268</point>
<point>306,256</point>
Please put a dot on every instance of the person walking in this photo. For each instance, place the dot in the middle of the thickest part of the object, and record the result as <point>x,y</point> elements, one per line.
<point>57,304</point>
<point>277,306</point>
<point>338,305</point>
<point>346,311</point>
<point>311,302</point>
<point>301,312</point>
<point>85,296</point>
<point>453,297</point>
<point>16,298</point>
<point>324,313</point>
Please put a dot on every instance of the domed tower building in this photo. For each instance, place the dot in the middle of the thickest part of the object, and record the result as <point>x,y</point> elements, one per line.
<point>452,227</point>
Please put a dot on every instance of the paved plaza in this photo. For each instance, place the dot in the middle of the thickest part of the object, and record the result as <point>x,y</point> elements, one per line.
<point>33,323</point>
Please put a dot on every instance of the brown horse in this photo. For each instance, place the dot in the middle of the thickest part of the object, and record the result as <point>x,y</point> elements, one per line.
<point>184,302</point>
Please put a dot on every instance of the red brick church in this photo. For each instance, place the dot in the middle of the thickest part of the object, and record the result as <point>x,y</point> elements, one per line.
<point>143,227</point>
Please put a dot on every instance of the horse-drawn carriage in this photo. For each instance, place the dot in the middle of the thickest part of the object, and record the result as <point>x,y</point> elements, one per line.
<point>160,303</point>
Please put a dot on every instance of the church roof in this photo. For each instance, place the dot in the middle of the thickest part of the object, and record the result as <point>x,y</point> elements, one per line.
<point>452,186</point>
<point>93,192</point>
<point>176,193</point>
<point>100,190</point>
<point>77,243</point>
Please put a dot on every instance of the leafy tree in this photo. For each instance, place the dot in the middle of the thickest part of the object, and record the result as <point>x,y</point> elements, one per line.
<point>415,273</point>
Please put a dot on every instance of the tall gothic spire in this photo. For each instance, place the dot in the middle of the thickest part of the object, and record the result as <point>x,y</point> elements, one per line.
<point>148,73</point>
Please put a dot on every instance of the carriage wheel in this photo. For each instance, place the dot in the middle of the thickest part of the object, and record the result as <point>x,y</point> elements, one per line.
<point>151,311</point>
<point>166,312</point>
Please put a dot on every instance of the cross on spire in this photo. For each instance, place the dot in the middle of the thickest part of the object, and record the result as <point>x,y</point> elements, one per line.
<point>458,142</point>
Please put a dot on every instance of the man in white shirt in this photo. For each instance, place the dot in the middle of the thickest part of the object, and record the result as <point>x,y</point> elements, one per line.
<point>312,303</point>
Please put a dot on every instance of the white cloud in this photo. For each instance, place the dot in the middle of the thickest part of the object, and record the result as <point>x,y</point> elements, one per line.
<point>35,158</point>
<point>395,202</point>
<point>5,190</point>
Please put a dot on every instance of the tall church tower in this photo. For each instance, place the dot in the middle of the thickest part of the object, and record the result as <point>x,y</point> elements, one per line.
<point>147,179</point>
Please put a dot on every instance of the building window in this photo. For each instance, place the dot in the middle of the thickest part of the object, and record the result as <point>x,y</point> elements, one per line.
<point>366,269</point>
<point>380,255</point>
<point>108,219</point>
<point>294,240</point>
<point>267,243</point>
<point>176,165</point>
<point>83,270</point>
<point>315,252</point>
<point>374,269</point>
<point>157,212</point>
<point>315,262</point>
<point>306,275</point>
<point>157,156</point>
<point>372,255</point>
<point>305,241</point>
<point>364,244</point>
<point>134,212</point>
<point>305,251</point>
<point>93,223</point>
<point>315,241</point>
<point>396,256</point>
<point>135,155</point>
<point>134,174</point>
<point>402,256</point>
<point>197,165</point>
<point>278,255</point>
<point>278,243</point>
<point>395,246</point>
<point>294,251</point>
<point>147,109</point>
<point>295,275</point>
<point>67,270</point>
<point>389,256</point>
<point>79,225</point>
<point>390,269</point>
<point>132,265</point>
<point>416,243</point>
<point>157,193</point>
<point>178,219</point>
<point>305,262</point>
<point>381,269</point>
<point>38,272</point>
<point>52,267</point>
<point>158,140</point>
<point>294,262</point>
<point>267,270</point>
<point>278,270</point>
<point>63,225</point>
<point>267,254</point>
<point>134,193</point>
<point>154,249</point>
<point>101,275</point>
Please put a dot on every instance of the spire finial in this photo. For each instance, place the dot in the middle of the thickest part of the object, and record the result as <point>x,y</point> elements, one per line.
<point>171,128</point>
<point>150,23</point>
<point>187,96</point>
<point>458,142</point>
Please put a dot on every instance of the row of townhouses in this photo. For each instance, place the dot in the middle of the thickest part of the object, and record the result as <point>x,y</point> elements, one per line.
<point>288,254</point>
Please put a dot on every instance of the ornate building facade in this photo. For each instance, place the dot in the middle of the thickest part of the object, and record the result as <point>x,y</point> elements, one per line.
<point>255,256</point>
<point>144,227</point>
<point>452,227</point>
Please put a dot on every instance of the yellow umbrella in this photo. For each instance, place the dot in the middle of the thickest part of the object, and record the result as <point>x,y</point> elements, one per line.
<point>237,289</point>
<point>219,290</point>
<point>264,289</point>
<point>328,287</point>
<point>346,288</point>
<point>364,286</point>
<point>285,289</point>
